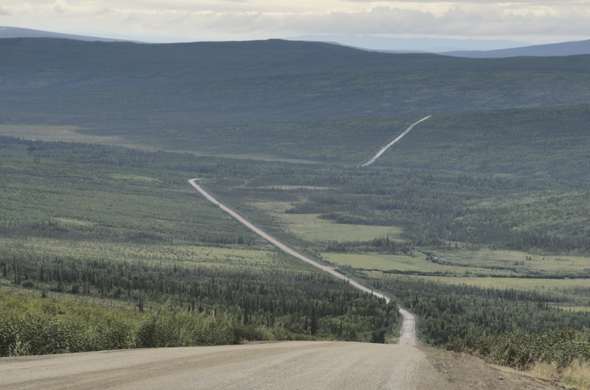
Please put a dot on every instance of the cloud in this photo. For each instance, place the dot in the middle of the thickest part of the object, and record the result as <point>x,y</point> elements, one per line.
<point>462,21</point>
<point>246,19</point>
<point>487,2</point>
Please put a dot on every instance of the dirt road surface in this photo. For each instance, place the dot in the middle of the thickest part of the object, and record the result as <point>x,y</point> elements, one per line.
<point>408,328</point>
<point>280,366</point>
<point>294,365</point>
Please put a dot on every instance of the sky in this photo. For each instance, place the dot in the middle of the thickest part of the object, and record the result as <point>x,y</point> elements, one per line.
<point>366,22</point>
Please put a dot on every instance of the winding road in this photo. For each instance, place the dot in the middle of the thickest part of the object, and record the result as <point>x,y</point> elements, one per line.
<point>294,365</point>
<point>284,366</point>
<point>395,141</point>
<point>408,331</point>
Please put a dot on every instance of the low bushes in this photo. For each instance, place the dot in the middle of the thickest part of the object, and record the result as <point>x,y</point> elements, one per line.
<point>33,326</point>
<point>30,325</point>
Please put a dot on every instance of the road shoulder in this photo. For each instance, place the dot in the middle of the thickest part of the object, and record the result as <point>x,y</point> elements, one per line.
<point>467,372</point>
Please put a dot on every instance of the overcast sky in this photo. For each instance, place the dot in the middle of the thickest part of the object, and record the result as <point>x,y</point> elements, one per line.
<point>532,21</point>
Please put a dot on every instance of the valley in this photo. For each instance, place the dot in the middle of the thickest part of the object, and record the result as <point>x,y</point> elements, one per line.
<point>475,223</point>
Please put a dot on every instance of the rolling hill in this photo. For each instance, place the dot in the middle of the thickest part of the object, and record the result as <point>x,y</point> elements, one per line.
<point>549,50</point>
<point>478,221</point>
<point>301,100</point>
<point>18,32</point>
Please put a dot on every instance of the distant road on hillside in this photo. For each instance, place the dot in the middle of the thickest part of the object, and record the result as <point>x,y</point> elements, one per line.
<point>395,141</point>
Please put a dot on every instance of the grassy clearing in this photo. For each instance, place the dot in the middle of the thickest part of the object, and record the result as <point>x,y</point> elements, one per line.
<point>55,133</point>
<point>179,254</point>
<point>402,263</point>
<point>74,134</point>
<point>135,178</point>
<point>313,228</point>
<point>518,261</point>
<point>71,222</point>
<point>295,188</point>
<point>510,283</point>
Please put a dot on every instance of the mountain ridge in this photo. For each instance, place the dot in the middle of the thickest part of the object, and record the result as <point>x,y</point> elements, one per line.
<point>559,49</point>
<point>9,32</point>
<point>286,99</point>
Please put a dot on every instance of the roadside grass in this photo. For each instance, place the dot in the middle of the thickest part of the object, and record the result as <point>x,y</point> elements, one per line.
<point>574,376</point>
<point>577,375</point>
<point>313,228</point>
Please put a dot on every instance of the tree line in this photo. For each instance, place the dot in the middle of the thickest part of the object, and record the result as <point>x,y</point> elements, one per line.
<point>255,302</point>
<point>508,327</point>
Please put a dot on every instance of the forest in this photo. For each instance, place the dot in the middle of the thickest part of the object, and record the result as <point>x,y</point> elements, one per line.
<point>507,327</point>
<point>433,207</point>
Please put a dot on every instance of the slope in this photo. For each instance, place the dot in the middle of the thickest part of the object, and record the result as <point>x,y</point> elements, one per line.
<point>547,50</point>
<point>19,32</point>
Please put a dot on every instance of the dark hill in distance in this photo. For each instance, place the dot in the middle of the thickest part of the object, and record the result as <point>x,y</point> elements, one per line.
<point>304,100</point>
<point>549,50</point>
<point>18,32</point>
<point>265,80</point>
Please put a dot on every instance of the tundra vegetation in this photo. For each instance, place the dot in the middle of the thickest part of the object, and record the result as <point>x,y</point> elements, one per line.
<point>88,222</point>
<point>478,221</point>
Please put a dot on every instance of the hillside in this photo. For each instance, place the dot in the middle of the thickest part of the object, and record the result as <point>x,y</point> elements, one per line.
<point>18,32</point>
<point>478,221</point>
<point>295,100</point>
<point>499,127</point>
<point>547,50</point>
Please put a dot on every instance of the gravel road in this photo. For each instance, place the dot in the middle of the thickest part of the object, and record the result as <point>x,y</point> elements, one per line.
<point>279,366</point>
<point>395,141</point>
